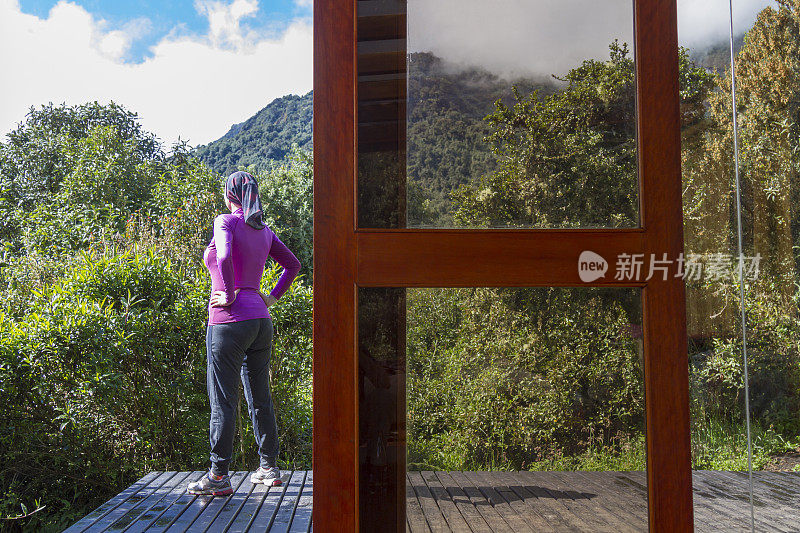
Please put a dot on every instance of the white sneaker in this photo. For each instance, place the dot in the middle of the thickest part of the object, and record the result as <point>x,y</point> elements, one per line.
<point>209,486</point>
<point>266,476</point>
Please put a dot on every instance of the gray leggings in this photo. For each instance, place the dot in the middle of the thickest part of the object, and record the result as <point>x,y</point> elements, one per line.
<point>240,350</point>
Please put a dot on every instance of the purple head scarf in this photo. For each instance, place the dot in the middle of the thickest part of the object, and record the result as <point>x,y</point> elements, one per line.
<point>242,188</point>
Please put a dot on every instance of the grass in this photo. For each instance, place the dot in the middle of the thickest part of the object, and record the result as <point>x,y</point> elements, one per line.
<point>722,445</point>
<point>716,445</point>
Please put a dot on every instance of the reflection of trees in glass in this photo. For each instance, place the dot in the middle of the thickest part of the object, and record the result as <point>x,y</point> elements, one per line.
<point>381,190</point>
<point>524,378</point>
<point>768,85</point>
<point>566,159</point>
<point>768,97</point>
<point>446,131</point>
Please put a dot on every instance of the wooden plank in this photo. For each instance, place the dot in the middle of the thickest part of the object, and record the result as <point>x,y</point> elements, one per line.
<point>582,504</point>
<point>383,132</point>
<point>381,27</point>
<point>732,509</point>
<point>372,8</point>
<point>126,522</point>
<point>609,506</point>
<point>301,521</point>
<point>381,111</point>
<point>463,503</point>
<point>481,503</point>
<point>382,63</point>
<point>186,507</point>
<point>111,504</point>
<point>781,505</point>
<point>152,515</point>
<point>272,502</point>
<point>702,502</point>
<point>132,502</point>
<point>507,504</point>
<point>452,516</point>
<point>241,522</point>
<point>785,482</point>
<point>515,258</point>
<point>433,514</point>
<point>382,89</point>
<point>625,504</point>
<point>232,506</point>
<point>283,518</point>
<point>335,441</point>
<point>415,518</point>
<point>721,502</point>
<point>706,517</point>
<point>792,479</point>
<point>544,506</point>
<point>735,499</point>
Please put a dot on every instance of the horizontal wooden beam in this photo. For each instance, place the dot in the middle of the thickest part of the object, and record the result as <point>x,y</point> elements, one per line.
<point>381,27</point>
<point>388,89</point>
<point>479,258</point>
<point>381,110</point>
<point>383,63</point>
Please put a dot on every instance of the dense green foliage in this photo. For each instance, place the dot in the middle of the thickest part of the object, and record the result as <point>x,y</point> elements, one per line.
<point>499,380</point>
<point>265,137</point>
<point>569,159</point>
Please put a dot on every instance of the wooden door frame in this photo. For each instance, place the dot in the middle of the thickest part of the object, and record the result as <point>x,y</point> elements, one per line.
<point>346,257</point>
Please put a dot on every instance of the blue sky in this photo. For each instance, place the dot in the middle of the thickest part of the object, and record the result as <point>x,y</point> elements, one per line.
<point>168,16</point>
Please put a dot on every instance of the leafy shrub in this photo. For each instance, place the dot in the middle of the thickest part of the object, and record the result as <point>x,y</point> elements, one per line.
<point>490,386</point>
<point>773,348</point>
<point>104,379</point>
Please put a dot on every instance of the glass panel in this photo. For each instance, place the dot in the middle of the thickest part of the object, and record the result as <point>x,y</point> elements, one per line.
<point>533,397</point>
<point>766,81</point>
<point>496,117</point>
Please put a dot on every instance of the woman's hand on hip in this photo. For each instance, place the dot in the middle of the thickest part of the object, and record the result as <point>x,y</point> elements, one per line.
<point>268,299</point>
<point>218,299</point>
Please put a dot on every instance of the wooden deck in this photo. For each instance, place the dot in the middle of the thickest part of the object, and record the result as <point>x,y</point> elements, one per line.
<point>511,502</point>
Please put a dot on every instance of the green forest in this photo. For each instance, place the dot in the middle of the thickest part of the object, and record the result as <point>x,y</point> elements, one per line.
<point>103,308</point>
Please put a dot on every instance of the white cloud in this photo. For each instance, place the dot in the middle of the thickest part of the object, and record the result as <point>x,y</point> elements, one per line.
<point>194,87</point>
<point>116,43</point>
<point>519,37</point>
<point>523,37</point>
<point>223,20</point>
<point>702,23</point>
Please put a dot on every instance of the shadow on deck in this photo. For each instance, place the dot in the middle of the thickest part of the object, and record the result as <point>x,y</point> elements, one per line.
<point>513,502</point>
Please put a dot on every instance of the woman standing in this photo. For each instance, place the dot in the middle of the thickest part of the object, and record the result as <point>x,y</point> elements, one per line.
<point>239,333</point>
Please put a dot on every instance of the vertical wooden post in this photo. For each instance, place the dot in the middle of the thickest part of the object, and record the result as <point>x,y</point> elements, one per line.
<point>669,477</point>
<point>335,446</point>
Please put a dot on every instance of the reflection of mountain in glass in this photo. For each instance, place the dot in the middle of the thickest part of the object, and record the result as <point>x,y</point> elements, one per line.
<point>446,130</point>
<point>549,152</point>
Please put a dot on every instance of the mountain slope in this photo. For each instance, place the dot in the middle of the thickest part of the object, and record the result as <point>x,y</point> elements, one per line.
<point>267,135</point>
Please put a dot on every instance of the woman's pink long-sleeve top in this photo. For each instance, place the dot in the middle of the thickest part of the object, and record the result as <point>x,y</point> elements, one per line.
<point>235,259</point>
